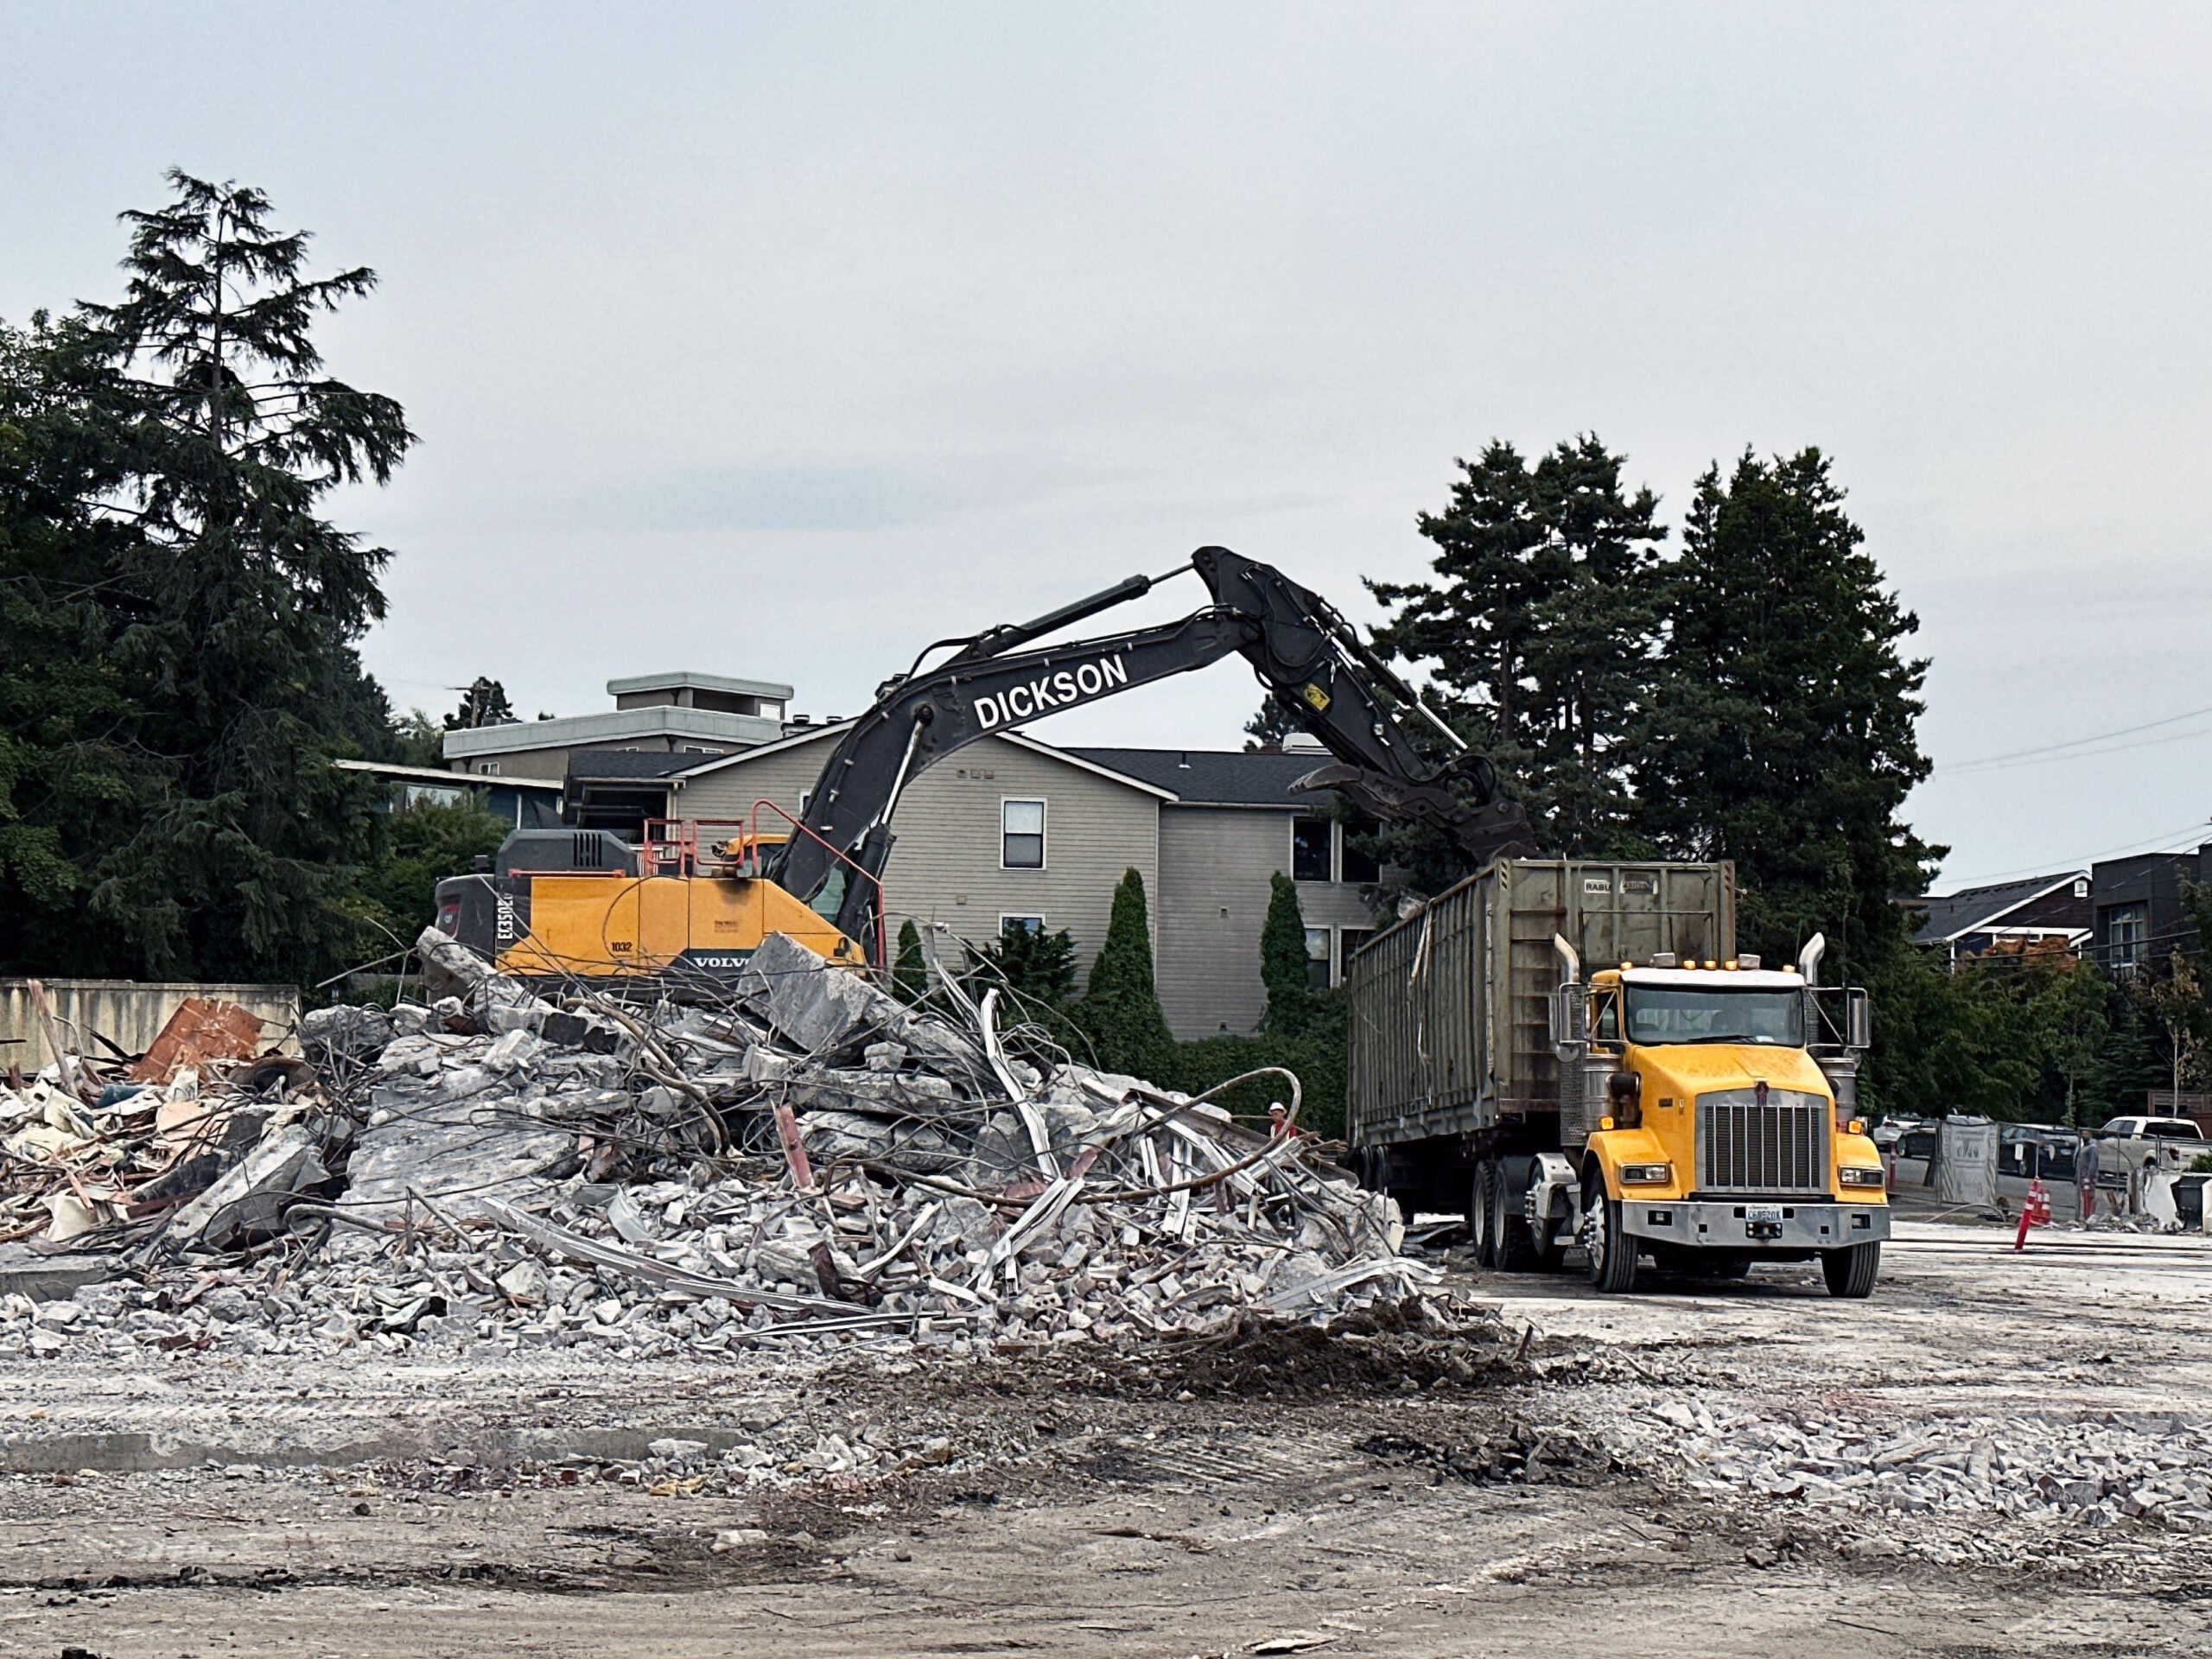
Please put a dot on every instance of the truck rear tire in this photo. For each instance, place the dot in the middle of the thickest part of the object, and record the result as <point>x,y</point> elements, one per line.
<point>1612,1251</point>
<point>1850,1271</point>
<point>1482,1202</point>
<point>1513,1247</point>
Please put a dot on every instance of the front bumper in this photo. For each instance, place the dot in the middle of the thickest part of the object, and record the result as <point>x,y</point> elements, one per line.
<point>1730,1224</point>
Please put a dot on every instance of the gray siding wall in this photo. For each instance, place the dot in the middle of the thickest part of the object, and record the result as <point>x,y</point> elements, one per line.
<point>945,868</point>
<point>1215,863</point>
<point>730,792</point>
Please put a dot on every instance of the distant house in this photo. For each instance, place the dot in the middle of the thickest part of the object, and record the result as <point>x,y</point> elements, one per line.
<point>525,803</point>
<point>2140,916</point>
<point>1012,830</point>
<point>681,712</point>
<point>620,789</point>
<point>2043,912</point>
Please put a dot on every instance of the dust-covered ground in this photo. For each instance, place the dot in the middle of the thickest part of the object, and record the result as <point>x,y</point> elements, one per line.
<point>1994,1455</point>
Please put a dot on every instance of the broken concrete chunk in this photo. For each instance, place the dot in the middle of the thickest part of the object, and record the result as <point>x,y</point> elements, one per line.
<point>525,1283</point>
<point>819,1006</point>
<point>343,1032</point>
<point>24,1272</point>
<point>272,1169</point>
<point>449,968</point>
<point>517,1048</point>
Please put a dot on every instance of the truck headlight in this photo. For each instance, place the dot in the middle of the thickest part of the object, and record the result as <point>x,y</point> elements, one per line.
<point>1646,1174</point>
<point>1861,1174</point>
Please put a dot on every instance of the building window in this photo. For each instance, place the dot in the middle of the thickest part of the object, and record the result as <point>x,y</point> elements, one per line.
<point>1031,925</point>
<point>1348,939</point>
<point>1317,958</point>
<point>487,768</point>
<point>1356,869</point>
<point>1309,848</point>
<point>1021,834</point>
<point>2125,929</point>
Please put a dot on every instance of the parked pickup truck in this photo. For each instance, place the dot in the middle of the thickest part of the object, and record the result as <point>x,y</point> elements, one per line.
<point>2166,1142</point>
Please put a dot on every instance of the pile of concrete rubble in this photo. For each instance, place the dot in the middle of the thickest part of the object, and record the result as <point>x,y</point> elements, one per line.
<point>807,1158</point>
<point>1932,1486</point>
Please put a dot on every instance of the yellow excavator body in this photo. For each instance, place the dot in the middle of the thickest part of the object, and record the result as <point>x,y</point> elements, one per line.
<point>623,926</point>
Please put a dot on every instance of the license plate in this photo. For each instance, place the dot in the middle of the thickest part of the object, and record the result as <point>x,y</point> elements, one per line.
<point>1762,1212</point>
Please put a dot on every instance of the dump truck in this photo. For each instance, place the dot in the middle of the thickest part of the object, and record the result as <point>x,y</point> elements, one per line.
<point>1574,1054</point>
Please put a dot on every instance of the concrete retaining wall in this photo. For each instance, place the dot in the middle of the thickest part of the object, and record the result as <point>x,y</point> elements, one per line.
<point>130,1013</point>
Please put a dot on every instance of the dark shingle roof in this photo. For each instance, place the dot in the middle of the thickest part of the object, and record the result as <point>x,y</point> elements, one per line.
<point>1961,912</point>
<point>1215,777</point>
<point>599,765</point>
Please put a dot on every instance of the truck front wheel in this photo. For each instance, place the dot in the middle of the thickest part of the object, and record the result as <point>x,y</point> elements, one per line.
<point>1611,1250</point>
<point>1850,1272</point>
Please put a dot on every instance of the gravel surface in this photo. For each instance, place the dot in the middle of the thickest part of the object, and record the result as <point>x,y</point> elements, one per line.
<point>1538,1470</point>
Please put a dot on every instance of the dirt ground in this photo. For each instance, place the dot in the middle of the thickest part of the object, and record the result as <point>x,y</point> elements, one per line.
<point>1383,1494</point>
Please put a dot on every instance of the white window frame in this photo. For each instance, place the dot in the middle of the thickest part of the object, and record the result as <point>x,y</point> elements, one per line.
<point>1043,830</point>
<point>1020,916</point>
<point>487,768</point>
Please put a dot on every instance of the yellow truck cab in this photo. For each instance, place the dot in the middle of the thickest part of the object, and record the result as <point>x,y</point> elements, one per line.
<point>1714,1136</point>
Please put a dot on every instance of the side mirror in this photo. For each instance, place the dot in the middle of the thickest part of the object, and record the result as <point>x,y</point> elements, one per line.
<point>1569,1007</point>
<point>1859,1021</point>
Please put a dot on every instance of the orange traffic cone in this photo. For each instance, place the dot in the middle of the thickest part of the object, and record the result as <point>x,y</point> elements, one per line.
<point>2033,1213</point>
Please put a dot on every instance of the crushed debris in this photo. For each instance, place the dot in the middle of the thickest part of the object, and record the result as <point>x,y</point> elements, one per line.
<point>1932,1486</point>
<point>804,1158</point>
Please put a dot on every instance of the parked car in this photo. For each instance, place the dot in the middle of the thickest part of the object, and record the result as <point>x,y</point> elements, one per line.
<point>1917,1142</point>
<point>1887,1133</point>
<point>2150,1128</point>
<point>2030,1151</point>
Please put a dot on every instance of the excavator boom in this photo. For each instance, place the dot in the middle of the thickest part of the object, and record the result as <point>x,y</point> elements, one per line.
<point>1300,648</point>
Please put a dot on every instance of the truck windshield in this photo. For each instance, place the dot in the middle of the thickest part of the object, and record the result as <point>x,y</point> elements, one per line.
<point>1694,1014</point>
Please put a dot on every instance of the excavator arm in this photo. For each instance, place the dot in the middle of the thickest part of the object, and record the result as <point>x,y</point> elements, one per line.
<point>1302,650</point>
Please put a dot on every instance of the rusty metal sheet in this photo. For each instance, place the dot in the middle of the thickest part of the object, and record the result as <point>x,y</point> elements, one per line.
<point>197,1033</point>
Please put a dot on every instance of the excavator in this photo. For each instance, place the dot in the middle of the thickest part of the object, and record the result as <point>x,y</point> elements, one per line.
<point>566,905</point>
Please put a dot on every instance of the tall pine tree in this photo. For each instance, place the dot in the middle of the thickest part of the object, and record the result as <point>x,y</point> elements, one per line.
<point>1782,730</point>
<point>1537,632</point>
<point>1118,1012</point>
<point>1291,1006</point>
<point>163,511</point>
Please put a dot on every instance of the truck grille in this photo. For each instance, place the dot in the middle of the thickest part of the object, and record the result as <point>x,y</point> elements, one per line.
<point>1747,1144</point>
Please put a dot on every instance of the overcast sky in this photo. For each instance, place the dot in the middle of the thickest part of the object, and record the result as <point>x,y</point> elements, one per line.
<point>779,340</point>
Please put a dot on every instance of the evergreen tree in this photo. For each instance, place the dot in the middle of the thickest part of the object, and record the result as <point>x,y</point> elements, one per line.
<point>909,970</point>
<point>1782,732</point>
<point>1291,1003</point>
<point>1120,1011</point>
<point>415,741</point>
<point>160,511</point>
<point>2129,1062</point>
<point>485,703</point>
<point>69,767</point>
<point>1267,729</point>
<point>2068,1013</point>
<point>1038,966</point>
<point>1538,633</point>
<point>421,847</point>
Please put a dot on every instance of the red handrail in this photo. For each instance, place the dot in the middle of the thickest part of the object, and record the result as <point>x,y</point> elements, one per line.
<point>673,846</point>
